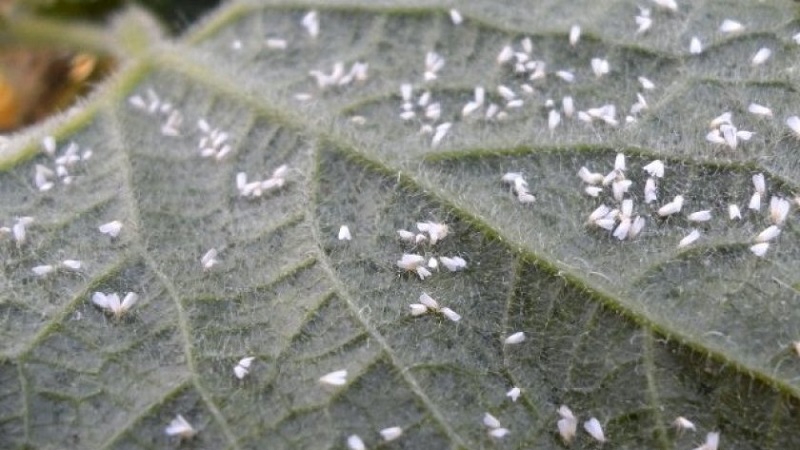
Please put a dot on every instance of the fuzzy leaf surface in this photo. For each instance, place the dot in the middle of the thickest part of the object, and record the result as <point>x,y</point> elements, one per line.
<point>633,332</point>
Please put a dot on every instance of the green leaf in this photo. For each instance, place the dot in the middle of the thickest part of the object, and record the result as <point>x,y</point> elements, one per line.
<point>633,332</point>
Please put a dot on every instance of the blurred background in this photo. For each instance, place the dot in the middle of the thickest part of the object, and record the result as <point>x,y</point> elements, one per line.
<point>42,79</point>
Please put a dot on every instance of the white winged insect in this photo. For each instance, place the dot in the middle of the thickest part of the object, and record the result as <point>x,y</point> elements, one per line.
<point>567,424</point>
<point>335,378</point>
<point>180,427</point>
<point>242,368</point>
<point>391,433</point>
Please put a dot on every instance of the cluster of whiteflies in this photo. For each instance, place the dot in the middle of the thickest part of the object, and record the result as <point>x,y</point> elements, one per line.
<point>338,378</point>
<point>431,233</point>
<point>154,105</point>
<point>45,177</point>
<point>112,304</point>
<point>412,262</point>
<point>605,113</point>
<point>724,132</point>
<point>433,64</point>
<point>429,110</point>
<point>19,231</point>
<point>620,221</point>
<point>339,76</point>
<point>254,189</point>
<point>519,186</point>
<point>623,225</point>
<point>778,213</point>
<point>524,64</point>
<point>522,60</point>
<point>67,264</point>
<point>494,111</point>
<point>496,429</point>
<point>354,441</point>
<point>568,426</point>
<point>428,305</point>
<point>213,142</point>
<point>435,233</point>
<point>271,43</point>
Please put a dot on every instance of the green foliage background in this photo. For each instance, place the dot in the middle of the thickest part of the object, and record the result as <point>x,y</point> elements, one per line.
<point>634,333</point>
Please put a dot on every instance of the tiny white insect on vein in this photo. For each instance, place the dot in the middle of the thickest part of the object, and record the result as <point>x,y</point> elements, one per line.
<point>209,259</point>
<point>734,212</point>
<point>311,23</point>
<point>49,145</point>
<point>568,106</point>
<point>453,264</point>
<point>778,210</point>
<point>43,270</point>
<point>672,207</point>
<point>759,183</point>
<point>574,35</point>
<point>695,46</point>
<point>515,338</point>
<point>759,110</point>
<point>682,423</point>
<point>689,239</point>
<point>553,119</point>
<point>730,26</point>
<point>491,421</point>
<point>567,425</point>
<point>644,22</point>
<point>391,433</point>
<point>793,123</point>
<point>600,67</point>
<point>180,427</point>
<point>450,314</point>
<point>72,264</point>
<point>699,216</point>
<point>344,233</point>
<point>456,17</point>
<point>499,433</point>
<point>768,234</point>
<point>514,393</point>
<point>242,368</point>
<point>428,301</point>
<point>712,442</point>
<point>760,249</point>
<point>761,56</point>
<point>670,5</point>
<point>655,168</point>
<point>112,228</point>
<point>418,309</point>
<point>593,427</point>
<point>276,44</point>
<point>354,442</point>
<point>335,378</point>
